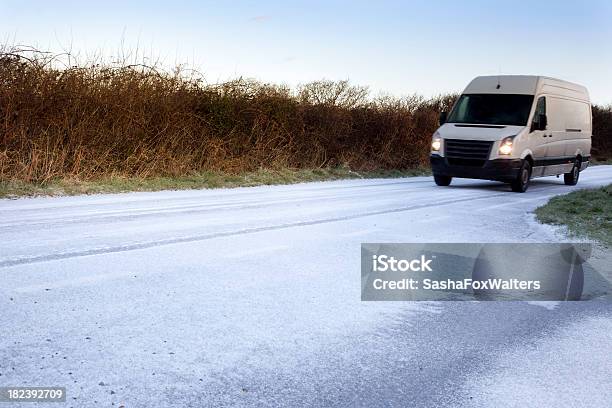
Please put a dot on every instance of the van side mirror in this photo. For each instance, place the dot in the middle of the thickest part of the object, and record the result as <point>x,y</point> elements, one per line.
<point>443,116</point>
<point>542,121</point>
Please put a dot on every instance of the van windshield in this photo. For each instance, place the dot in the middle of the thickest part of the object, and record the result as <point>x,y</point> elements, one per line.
<point>492,109</point>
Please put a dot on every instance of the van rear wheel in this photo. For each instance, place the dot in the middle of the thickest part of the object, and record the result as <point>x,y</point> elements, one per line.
<point>571,178</point>
<point>442,180</point>
<point>521,183</point>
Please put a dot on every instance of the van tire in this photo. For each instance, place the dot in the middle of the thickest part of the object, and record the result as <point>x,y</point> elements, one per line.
<point>442,180</point>
<point>571,178</point>
<point>521,183</point>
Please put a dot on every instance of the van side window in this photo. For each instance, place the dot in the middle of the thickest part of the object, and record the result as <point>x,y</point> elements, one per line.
<point>540,107</point>
<point>539,110</point>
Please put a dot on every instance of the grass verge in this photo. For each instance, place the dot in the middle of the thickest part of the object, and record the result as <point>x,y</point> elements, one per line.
<point>60,187</point>
<point>586,213</point>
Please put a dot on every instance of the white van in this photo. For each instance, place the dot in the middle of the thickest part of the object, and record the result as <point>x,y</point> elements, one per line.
<point>511,128</point>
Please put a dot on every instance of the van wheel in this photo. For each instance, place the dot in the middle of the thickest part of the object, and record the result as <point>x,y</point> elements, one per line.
<point>442,180</point>
<point>571,178</point>
<point>520,184</point>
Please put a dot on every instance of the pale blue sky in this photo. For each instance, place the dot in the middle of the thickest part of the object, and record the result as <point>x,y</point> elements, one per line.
<point>399,48</point>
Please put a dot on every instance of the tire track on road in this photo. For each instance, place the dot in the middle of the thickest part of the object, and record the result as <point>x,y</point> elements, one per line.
<point>201,237</point>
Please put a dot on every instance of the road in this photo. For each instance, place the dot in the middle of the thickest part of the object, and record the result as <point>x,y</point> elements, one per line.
<point>251,297</point>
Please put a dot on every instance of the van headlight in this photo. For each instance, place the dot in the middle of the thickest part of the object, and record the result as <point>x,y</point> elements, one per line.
<point>436,144</point>
<point>505,146</point>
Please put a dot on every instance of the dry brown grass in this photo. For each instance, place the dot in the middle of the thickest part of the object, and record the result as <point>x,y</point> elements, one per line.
<point>62,119</point>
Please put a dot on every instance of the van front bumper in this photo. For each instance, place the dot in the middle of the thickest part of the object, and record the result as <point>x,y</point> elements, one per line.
<point>497,169</point>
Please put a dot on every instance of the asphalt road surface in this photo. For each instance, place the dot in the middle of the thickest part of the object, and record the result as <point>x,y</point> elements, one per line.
<point>251,297</point>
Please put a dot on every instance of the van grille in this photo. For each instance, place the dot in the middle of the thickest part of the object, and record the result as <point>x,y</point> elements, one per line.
<point>467,152</point>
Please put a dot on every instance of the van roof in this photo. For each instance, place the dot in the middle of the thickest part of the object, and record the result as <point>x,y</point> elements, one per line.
<point>526,85</point>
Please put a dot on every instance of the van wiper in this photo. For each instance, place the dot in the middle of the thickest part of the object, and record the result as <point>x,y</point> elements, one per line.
<point>481,126</point>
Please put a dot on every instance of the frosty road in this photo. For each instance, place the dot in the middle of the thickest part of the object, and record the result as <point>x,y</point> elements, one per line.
<point>251,297</point>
